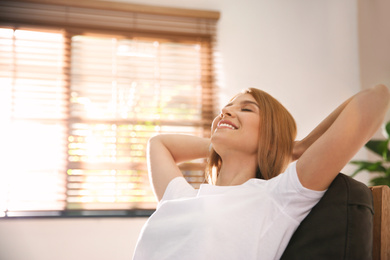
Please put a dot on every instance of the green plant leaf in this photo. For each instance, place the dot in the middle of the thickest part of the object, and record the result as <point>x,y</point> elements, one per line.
<point>379,147</point>
<point>380,181</point>
<point>368,166</point>
<point>387,127</point>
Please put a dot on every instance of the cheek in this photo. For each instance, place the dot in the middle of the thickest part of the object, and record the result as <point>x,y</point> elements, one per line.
<point>255,129</point>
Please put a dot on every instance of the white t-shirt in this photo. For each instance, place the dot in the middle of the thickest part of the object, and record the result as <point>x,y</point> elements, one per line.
<point>254,220</point>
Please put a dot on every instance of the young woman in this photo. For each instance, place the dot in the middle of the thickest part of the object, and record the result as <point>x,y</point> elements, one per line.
<point>262,183</point>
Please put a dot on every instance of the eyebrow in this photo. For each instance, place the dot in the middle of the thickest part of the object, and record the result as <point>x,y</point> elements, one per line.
<point>244,102</point>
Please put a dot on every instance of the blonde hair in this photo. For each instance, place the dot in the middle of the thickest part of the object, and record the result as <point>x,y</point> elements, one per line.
<point>277,133</point>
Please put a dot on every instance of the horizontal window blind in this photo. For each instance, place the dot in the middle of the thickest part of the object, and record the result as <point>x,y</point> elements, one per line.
<point>35,104</point>
<point>80,102</point>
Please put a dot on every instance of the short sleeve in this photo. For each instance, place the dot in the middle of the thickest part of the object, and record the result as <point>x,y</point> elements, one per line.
<point>291,195</point>
<point>178,188</point>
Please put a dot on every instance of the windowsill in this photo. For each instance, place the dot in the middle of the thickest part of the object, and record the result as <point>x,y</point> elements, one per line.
<point>77,214</point>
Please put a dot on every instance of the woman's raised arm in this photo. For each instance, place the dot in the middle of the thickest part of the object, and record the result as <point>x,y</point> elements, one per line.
<point>166,151</point>
<point>333,143</point>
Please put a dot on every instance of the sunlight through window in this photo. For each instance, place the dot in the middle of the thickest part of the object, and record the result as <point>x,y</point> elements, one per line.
<point>33,101</point>
<point>77,110</point>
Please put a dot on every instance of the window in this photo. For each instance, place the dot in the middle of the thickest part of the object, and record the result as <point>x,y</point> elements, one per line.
<point>80,98</point>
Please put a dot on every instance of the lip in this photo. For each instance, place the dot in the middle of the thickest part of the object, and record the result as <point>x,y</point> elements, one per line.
<point>227,122</point>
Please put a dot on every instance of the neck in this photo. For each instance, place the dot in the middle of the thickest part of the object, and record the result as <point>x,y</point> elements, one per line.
<point>236,170</point>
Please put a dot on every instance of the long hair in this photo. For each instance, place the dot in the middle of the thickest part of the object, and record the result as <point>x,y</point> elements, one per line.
<point>277,133</point>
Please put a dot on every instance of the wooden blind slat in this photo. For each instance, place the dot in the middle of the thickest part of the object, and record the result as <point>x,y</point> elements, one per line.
<point>136,8</point>
<point>71,16</point>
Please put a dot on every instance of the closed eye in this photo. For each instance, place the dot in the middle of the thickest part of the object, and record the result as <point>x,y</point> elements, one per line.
<point>246,110</point>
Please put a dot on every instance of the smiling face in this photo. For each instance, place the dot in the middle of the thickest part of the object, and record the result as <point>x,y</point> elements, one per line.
<point>237,127</point>
<point>255,122</point>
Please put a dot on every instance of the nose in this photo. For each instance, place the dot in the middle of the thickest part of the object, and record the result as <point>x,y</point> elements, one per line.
<point>227,111</point>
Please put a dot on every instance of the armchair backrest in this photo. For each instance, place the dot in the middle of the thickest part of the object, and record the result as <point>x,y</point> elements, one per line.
<point>340,226</point>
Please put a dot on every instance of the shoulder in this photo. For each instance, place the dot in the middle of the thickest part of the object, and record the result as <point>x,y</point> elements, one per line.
<point>178,188</point>
<point>288,183</point>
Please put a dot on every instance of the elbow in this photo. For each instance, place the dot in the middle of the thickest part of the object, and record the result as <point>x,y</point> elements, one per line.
<point>382,87</point>
<point>373,107</point>
<point>154,138</point>
<point>383,92</point>
<point>161,144</point>
<point>379,97</point>
<point>153,142</point>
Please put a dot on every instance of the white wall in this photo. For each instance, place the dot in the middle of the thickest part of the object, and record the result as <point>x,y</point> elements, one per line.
<point>374,42</point>
<point>304,52</point>
<point>69,239</point>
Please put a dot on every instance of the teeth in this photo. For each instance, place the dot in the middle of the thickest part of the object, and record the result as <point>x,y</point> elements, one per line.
<point>227,125</point>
